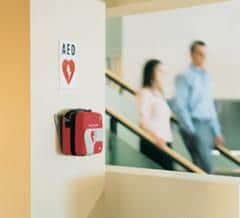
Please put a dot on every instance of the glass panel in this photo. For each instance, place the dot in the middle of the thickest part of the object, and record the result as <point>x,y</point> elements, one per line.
<point>121,101</point>
<point>229,116</point>
<point>119,152</point>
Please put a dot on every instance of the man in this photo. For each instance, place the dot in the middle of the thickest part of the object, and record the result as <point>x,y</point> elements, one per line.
<point>195,109</point>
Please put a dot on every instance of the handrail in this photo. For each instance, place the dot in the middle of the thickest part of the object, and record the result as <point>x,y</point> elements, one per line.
<point>121,83</point>
<point>224,151</point>
<point>221,148</point>
<point>143,134</point>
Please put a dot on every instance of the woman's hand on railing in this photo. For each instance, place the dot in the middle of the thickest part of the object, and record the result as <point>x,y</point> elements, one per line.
<point>161,143</point>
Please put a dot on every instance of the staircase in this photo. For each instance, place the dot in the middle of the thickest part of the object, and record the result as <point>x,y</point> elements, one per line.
<point>120,97</point>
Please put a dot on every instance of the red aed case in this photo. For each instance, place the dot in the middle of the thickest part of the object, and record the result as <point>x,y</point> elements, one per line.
<point>81,132</point>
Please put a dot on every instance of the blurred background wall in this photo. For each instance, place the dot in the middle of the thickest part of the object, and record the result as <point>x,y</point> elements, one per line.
<point>167,35</point>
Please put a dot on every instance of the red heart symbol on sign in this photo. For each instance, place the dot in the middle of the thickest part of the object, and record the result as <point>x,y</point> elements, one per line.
<point>68,69</point>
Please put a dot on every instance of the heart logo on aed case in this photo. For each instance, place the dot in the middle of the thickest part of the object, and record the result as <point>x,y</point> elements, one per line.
<point>68,69</point>
<point>93,136</point>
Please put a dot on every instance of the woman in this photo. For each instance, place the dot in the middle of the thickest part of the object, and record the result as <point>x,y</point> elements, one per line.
<point>155,114</point>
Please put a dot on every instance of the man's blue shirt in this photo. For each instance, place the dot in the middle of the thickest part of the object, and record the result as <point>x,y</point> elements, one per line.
<point>194,100</point>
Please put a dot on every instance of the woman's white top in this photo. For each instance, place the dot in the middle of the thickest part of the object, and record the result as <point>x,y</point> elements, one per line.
<point>154,113</point>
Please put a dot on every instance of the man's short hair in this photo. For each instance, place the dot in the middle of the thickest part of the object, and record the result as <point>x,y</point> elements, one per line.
<point>195,44</point>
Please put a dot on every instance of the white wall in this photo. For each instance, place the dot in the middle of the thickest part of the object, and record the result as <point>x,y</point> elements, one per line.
<point>63,186</point>
<point>167,35</point>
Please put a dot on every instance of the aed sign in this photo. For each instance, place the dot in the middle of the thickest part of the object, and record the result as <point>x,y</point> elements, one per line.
<point>68,64</point>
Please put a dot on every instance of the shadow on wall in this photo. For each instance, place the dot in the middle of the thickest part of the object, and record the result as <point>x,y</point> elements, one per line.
<point>57,122</point>
<point>57,145</point>
<point>82,196</point>
<point>99,210</point>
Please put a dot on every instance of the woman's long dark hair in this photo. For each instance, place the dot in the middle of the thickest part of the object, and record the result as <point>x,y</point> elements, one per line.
<point>148,72</point>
